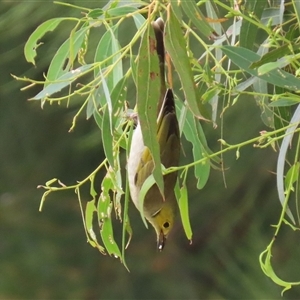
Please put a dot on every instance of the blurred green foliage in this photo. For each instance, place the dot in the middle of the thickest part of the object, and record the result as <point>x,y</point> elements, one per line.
<point>45,255</point>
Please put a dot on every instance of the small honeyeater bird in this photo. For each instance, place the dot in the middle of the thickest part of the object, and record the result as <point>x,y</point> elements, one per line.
<point>158,210</point>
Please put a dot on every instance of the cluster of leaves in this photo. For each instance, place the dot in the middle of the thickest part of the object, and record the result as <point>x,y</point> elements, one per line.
<point>231,62</point>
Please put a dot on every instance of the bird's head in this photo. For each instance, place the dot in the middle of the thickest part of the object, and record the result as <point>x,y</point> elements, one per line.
<point>163,221</point>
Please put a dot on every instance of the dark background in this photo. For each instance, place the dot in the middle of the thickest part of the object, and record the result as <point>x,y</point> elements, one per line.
<point>45,255</point>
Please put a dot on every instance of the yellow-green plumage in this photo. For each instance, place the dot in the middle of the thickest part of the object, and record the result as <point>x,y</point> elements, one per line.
<point>158,210</point>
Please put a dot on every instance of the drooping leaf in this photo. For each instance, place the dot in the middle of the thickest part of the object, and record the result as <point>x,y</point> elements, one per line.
<point>193,132</point>
<point>107,136</point>
<point>281,160</point>
<point>175,45</point>
<point>64,57</point>
<point>183,203</point>
<point>176,7</point>
<point>249,30</point>
<point>148,95</point>
<point>197,18</point>
<point>104,210</point>
<point>89,216</point>
<point>292,175</point>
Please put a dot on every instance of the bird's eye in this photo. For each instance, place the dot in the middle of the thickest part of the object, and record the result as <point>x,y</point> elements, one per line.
<point>166,225</point>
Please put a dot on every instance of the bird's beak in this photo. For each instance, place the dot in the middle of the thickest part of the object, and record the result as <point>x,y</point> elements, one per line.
<point>161,241</point>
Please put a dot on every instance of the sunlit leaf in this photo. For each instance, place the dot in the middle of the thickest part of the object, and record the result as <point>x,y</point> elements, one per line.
<point>183,203</point>
<point>32,42</point>
<point>292,175</point>
<point>269,271</point>
<point>89,215</point>
<point>104,210</point>
<point>63,81</point>
<point>65,56</point>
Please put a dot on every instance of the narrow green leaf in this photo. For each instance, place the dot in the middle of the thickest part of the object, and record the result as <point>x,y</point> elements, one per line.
<point>121,11</point>
<point>243,58</point>
<point>267,114</point>
<point>107,47</point>
<point>63,81</point>
<point>176,7</point>
<point>296,5</point>
<point>107,136</point>
<point>197,18</point>
<point>249,30</point>
<point>32,42</point>
<point>89,213</point>
<point>194,134</point>
<point>104,209</point>
<point>139,20</point>
<point>279,64</point>
<point>175,45</point>
<point>184,212</point>
<point>94,101</point>
<point>65,54</point>
<point>282,101</point>
<point>292,175</point>
<point>118,98</point>
<point>272,16</point>
<point>95,13</point>
<point>271,56</point>
<point>117,72</point>
<point>98,119</point>
<point>211,9</point>
<point>269,271</point>
<point>103,49</point>
<point>148,95</point>
<point>93,193</point>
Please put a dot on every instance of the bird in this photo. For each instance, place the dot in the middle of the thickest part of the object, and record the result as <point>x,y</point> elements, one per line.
<point>159,210</point>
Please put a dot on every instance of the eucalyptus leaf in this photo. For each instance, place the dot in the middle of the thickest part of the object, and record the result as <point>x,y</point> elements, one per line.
<point>249,30</point>
<point>32,42</point>
<point>65,56</point>
<point>148,95</point>
<point>104,210</point>
<point>176,47</point>
<point>183,204</point>
<point>197,18</point>
<point>282,157</point>
<point>63,81</point>
<point>243,58</point>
